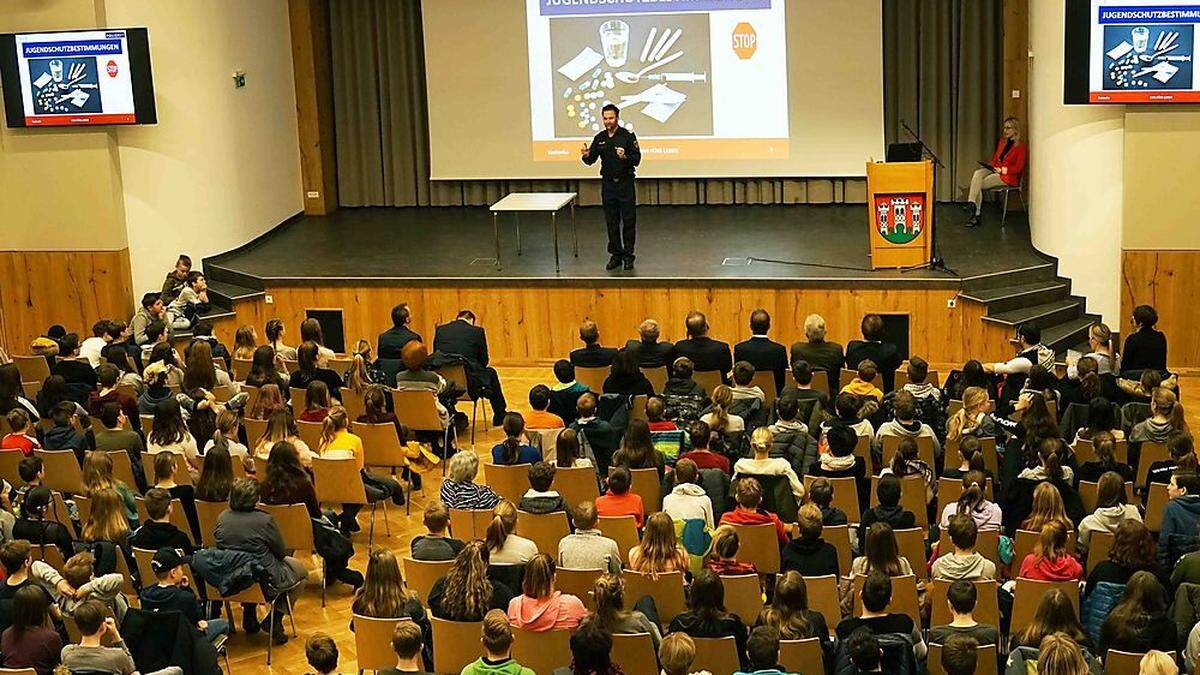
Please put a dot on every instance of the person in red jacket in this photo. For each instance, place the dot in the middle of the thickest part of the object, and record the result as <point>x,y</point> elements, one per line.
<point>1051,561</point>
<point>1005,168</point>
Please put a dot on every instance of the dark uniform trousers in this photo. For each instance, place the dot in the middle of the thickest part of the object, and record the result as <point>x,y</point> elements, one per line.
<point>619,197</point>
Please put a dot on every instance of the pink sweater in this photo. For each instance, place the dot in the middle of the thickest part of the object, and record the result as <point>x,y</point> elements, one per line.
<point>557,612</point>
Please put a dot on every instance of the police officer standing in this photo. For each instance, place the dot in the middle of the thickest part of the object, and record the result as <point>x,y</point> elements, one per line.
<point>617,149</point>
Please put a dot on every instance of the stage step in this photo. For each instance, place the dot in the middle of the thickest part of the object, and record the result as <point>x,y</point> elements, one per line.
<point>1068,334</point>
<point>1047,271</point>
<point>224,294</point>
<point>1043,316</point>
<point>1008,298</point>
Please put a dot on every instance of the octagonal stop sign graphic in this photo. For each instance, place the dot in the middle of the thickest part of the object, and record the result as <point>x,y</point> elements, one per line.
<point>745,40</point>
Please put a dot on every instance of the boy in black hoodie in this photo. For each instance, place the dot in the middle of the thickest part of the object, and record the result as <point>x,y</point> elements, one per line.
<point>172,593</point>
<point>889,510</point>
<point>810,555</point>
<point>540,498</point>
<point>159,532</point>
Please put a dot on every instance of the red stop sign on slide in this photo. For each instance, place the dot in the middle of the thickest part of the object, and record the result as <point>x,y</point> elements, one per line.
<point>111,68</point>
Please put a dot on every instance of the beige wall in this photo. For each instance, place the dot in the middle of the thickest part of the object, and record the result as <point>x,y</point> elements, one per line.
<point>1162,160</point>
<point>59,189</point>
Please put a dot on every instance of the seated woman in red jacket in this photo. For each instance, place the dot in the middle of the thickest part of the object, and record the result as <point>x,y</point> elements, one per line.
<point>1006,167</point>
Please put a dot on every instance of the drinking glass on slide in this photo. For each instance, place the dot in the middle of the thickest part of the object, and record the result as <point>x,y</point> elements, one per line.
<point>614,38</point>
<point>1141,38</point>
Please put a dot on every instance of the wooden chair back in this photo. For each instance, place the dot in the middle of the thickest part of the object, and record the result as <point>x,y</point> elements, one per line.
<point>470,524</point>
<point>299,399</point>
<point>62,471</point>
<point>544,651</point>
<point>1151,452</point>
<point>912,497</point>
<point>1156,504</point>
<point>987,543</point>
<point>759,544</point>
<point>743,596</point>
<point>576,484</point>
<point>260,466</point>
<point>666,589</point>
<point>373,642</point>
<point>716,655</point>
<point>847,376</point>
<point>1026,542</point>
<point>802,656</point>
<point>637,407</point>
<point>455,644</point>
<point>123,469</point>
<point>645,484</point>
<point>241,369</point>
<point>987,607</point>
<point>636,651</point>
<point>1029,593</point>
<point>820,382</point>
<point>578,583</point>
<point>891,444</point>
<point>417,409</point>
<point>381,444</point>
<point>985,663</point>
<point>510,481</point>
<point>222,393</point>
<point>621,529</point>
<point>1089,492</point>
<point>991,460</point>
<point>49,554</point>
<point>10,461</point>
<point>1086,452</point>
<point>1126,663</point>
<point>207,513</point>
<point>147,423</point>
<point>420,575</point>
<point>183,474</point>
<point>338,481</point>
<point>544,529</point>
<point>904,596</point>
<point>19,671</point>
<point>839,536</point>
<point>592,377</point>
<point>823,598</point>
<point>295,525</point>
<point>354,404</point>
<point>912,546</point>
<point>708,380</point>
<point>862,449</point>
<point>32,368</point>
<point>933,377</point>
<point>84,506</point>
<point>1099,545</point>
<point>845,496</point>
<point>765,380</point>
<point>658,378</point>
<point>252,394</point>
<point>310,433</point>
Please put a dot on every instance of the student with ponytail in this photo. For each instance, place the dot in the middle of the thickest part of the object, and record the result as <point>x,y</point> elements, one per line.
<point>974,502</point>
<point>1104,445</point>
<point>1050,560</point>
<point>226,436</point>
<point>541,607</point>
<point>974,418</point>
<point>1050,455</point>
<point>338,442</point>
<point>971,452</point>
<point>503,545</point>
<point>363,373</point>
<point>516,448</point>
<point>1166,418</point>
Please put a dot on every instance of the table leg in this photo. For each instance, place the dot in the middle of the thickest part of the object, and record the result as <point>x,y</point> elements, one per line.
<point>554,220</point>
<point>517,214</point>
<point>496,233</point>
<point>574,229</point>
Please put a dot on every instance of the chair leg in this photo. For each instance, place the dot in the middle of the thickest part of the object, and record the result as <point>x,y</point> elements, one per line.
<point>270,633</point>
<point>474,415</point>
<point>1004,214</point>
<point>324,578</point>
<point>291,614</point>
<point>387,527</point>
<point>371,534</point>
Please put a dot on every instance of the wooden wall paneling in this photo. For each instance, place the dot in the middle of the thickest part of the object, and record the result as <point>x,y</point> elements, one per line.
<point>313,66</point>
<point>72,288</point>
<point>1170,282</point>
<point>1016,66</point>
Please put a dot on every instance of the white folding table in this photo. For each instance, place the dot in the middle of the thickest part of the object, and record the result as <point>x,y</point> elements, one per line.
<point>544,202</point>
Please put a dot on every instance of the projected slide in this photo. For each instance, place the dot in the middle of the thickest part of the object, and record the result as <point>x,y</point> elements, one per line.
<point>75,78</point>
<point>1142,52</point>
<point>695,79</point>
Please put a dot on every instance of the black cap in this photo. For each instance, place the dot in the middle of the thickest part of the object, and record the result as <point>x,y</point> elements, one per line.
<point>167,559</point>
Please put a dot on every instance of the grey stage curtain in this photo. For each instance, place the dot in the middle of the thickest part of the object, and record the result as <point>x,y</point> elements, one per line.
<point>933,50</point>
<point>942,62</point>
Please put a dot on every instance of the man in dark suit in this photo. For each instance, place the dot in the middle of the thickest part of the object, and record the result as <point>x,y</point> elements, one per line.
<point>760,351</point>
<point>885,355</point>
<point>464,338</point>
<point>392,341</point>
<point>650,352</point>
<point>592,355</point>
<point>704,352</point>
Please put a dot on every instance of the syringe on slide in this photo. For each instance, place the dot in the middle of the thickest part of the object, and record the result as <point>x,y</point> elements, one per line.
<point>677,77</point>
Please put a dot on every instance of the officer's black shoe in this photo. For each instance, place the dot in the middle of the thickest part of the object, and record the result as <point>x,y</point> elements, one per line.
<point>628,262</point>
<point>613,263</point>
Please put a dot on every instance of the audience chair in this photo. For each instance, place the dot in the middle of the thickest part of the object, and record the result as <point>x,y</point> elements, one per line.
<point>802,656</point>
<point>9,463</point>
<point>1086,452</point>
<point>260,466</point>
<point>759,544</point>
<point>544,529</point>
<point>987,608</point>
<point>708,380</point>
<point>310,433</point>
<point>123,469</point>
<point>98,426</point>
<point>823,598</point>
<point>32,389</point>
<point>254,595</point>
<point>839,536</point>
<point>1156,504</point>
<point>1026,542</point>
<point>296,527</point>
<point>1003,193</point>
<point>420,575</point>
<point>576,484</point>
<point>820,382</point>
<point>924,449</point>
<point>241,369</point>
<point>912,546</point>
<point>636,653</point>
<point>743,596</point>
<point>32,368</point>
<point>62,471</point>
<point>845,496</point>
<point>1126,663</point>
<point>578,583</point>
<point>299,399</point>
<point>987,543</point>
<point>1029,592</point>
<point>862,450</point>
<point>60,514</point>
<point>658,378</point>
<point>950,489</point>
<point>509,481</point>
<point>338,481</point>
<point>290,366</point>
<point>765,380</point>
<point>644,482</point>
<point>991,460</point>
<point>18,671</point>
<point>84,506</point>
<point>251,399</point>
<point>470,524</point>
<point>716,655</point>
<point>1099,545</point>
<point>183,471</point>
<point>592,378</point>
<point>912,497</point>
<point>1151,453</point>
<point>456,376</point>
<point>637,408</point>
<point>543,651</point>
<point>49,554</point>
<point>985,663</point>
<point>621,529</point>
<point>455,644</point>
<point>147,423</point>
<point>354,404</point>
<point>207,513</point>
<point>847,376</point>
<point>904,596</point>
<point>418,411</point>
<point>1089,492</point>
<point>341,366</point>
<point>222,393</point>
<point>666,589</point>
<point>373,642</point>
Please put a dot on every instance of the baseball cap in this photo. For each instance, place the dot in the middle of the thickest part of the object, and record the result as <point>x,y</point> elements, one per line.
<point>167,559</point>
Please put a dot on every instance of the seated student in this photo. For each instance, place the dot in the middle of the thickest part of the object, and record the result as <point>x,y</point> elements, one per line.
<point>1180,532</point>
<point>676,654</point>
<point>682,395</point>
<point>917,385</point>
<point>863,651</point>
<point>761,441</point>
<point>409,645</point>
<point>78,571</point>
<point>203,332</point>
<point>171,593</point>
<point>316,402</point>
<point>973,502</point>
<point>790,439</point>
<point>30,642</point>
<point>722,557</point>
<point>32,473</point>
<point>906,462</point>
<point>625,378</point>
<point>321,652</point>
<point>1111,511</point>
<point>1134,550</point>
<point>1050,561</point>
<point>790,614</point>
<point>91,654</point>
<point>21,571</point>
<point>541,607</point>
<point>699,434</point>
<point>906,425</point>
<point>591,652</point>
<point>568,454</point>
<point>587,548</point>
<point>541,417</point>
<point>972,460</point>
<point>539,498</point>
<point>820,493</point>
<point>889,510</point>
<point>1051,456</point>
<point>516,448</point>
<point>963,562</point>
<point>1181,447</point>
<point>961,597</point>
<point>747,492</point>
<point>1140,621</point>
<point>863,382</point>
<point>564,396</point>
<point>618,500</point>
<point>688,500</point>
<point>959,654</point>
<point>660,550</point>
<point>435,544</point>
<point>505,547</point>
<point>591,354</point>
<point>638,451</point>
<point>383,595</point>
<point>1145,348</point>
<point>876,594</point>
<point>667,438</point>
<point>720,420</point>
<point>337,442</point>
<point>191,302</point>
<point>466,593</point>
<point>33,527</point>
<point>79,375</point>
<point>743,383</point>
<point>497,649</point>
<point>106,391</point>
<point>841,462</point>
<point>159,532</point>
<point>65,434</point>
<point>809,554</point>
<point>800,389</point>
<point>23,437</point>
<point>852,411</point>
<point>762,651</point>
<point>115,435</point>
<point>601,437</point>
<point>309,368</point>
<point>706,616</point>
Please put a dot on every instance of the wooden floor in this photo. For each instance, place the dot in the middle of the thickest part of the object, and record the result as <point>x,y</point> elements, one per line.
<point>248,654</point>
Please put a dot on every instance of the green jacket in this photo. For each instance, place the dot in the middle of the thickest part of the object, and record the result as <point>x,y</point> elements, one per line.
<point>506,667</point>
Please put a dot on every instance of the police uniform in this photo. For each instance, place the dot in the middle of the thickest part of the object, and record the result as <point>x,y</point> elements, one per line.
<point>618,192</point>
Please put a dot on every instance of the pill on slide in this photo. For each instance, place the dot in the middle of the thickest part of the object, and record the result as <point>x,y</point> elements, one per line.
<point>591,106</point>
<point>585,86</point>
<point>578,97</point>
<point>582,125</point>
<point>595,127</point>
<point>595,83</point>
<point>597,72</point>
<point>567,93</point>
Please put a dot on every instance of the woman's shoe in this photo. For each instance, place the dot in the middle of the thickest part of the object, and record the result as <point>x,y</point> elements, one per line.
<point>974,221</point>
<point>349,577</point>
<point>250,620</point>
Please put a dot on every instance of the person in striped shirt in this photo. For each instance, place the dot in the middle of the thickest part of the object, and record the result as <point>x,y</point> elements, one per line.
<point>460,491</point>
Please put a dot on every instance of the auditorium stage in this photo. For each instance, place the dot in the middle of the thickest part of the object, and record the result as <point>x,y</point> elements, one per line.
<point>685,245</point>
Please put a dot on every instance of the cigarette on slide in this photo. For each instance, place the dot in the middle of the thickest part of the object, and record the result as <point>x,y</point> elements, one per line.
<point>670,43</point>
<point>1165,50</point>
<point>659,64</point>
<point>662,40</point>
<point>649,41</point>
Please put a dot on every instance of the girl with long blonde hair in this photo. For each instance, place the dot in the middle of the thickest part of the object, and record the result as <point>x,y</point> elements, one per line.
<point>505,547</point>
<point>1050,560</point>
<point>98,475</point>
<point>1047,507</point>
<point>789,612</point>
<point>281,427</point>
<point>1058,654</point>
<point>466,593</point>
<point>245,341</point>
<point>106,521</point>
<point>659,550</point>
<point>609,595</point>
<point>973,418</point>
<point>269,401</point>
<point>359,376</point>
<point>384,595</point>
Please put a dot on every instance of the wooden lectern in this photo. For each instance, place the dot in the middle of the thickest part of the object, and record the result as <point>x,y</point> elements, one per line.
<point>900,205</point>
